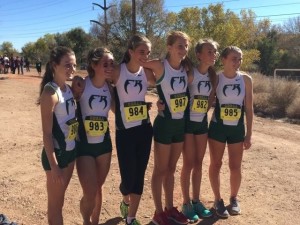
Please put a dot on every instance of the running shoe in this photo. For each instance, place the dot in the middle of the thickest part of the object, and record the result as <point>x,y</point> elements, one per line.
<point>176,216</point>
<point>234,206</point>
<point>201,211</point>
<point>124,209</point>
<point>160,219</point>
<point>133,222</point>
<point>221,210</point>
<point>189,212</point>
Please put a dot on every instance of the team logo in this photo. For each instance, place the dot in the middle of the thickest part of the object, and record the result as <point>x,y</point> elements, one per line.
<point>206,84</point>
<point>180,80</point>
<point>137,83</point>
<point>100,98</point>
<point>69,102</point>
<point>234,87</point>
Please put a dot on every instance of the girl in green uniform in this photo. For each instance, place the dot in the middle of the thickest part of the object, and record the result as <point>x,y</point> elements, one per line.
<point>234,99</point>
<point>201,96</point>
<point>171,82</point>
<point>59,126</point>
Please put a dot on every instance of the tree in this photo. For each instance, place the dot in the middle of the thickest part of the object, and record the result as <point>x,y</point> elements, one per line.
<point>29,51</point>
<point>80,43</point>
<point>270,54</point>
<point>292,26</point>
<point>7,48</point>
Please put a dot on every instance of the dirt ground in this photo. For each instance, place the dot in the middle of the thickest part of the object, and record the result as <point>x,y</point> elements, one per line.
<point>269,192</point>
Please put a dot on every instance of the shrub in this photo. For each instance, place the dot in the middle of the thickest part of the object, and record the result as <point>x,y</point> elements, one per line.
<point>275,97</point>
<point>293,110</point>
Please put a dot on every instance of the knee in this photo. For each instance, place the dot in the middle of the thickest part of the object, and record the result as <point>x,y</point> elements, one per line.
<point>171,170</point>
<point>160,172</point>
<point>198,166</point>
<point>188,165</point>
<point>216,165</point>
<point>235,167</point>
<point>89,195</point>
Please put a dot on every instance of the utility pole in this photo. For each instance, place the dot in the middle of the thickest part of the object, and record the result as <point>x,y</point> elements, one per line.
<point>105,25</point>
<point>133,18</point>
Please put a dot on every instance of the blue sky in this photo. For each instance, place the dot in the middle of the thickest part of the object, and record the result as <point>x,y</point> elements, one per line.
<point>23,21</point>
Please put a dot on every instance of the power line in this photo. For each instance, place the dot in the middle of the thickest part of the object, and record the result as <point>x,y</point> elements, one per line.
<point>44,21</point>
<point>205,3</point>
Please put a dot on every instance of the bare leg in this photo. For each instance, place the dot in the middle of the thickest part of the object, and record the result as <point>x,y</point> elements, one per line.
<point>168,182</point>
<point>56,195</point>
<point>86,169</point>
<point>188,154</point>
<point>235,152</point>
<point>161,159</point>
<point>103,165</point>
<point>216,150</point>
<point>201,143</point>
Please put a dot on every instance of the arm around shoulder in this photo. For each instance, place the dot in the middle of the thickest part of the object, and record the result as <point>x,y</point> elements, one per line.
<point>156,65</point>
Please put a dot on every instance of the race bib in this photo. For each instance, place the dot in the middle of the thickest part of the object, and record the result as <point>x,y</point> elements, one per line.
<point>178,102</point>
<point>230,112</point>
<point>73,129</point>
<point>200,104</point>
<point>135,111</point>
<point>95,126</point>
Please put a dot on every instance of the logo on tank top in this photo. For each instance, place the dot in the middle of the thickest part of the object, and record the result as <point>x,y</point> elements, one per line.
<point>69,103</point>
<point>234,87</point>
<point>179,80</point>
<point>135,83</point>
<point>206,84</point>
<point>99,98</point>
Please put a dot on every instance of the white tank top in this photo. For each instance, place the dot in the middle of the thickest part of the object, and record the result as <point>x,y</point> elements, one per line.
<point>94,106</point>
<point>230,100</point>
<point>199,91</point>
<point>131,88</point>
<point>172,90</point>
<point>65,124</point>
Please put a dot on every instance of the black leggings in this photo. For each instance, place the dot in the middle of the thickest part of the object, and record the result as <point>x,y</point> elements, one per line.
<point>133,150</point>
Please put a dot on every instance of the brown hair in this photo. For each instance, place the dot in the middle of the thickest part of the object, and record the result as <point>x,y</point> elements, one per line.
<point>198,49</point>
<point>202,42</point>
<point>56,55</point>
<point>93,58</point>
<point>134,42</point>
<point>230,49</point>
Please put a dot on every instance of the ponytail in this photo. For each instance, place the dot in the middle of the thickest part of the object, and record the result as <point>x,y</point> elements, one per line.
<point>212,76</point>
<point>56,55</point>
<point>48,77</point>
<point>126,57</point>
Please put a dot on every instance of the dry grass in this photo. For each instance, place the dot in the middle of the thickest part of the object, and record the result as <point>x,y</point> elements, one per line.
<point>277,98</point>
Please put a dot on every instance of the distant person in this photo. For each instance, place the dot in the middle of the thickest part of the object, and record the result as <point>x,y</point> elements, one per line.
<point>17,63</point>
<point>1,64</point>
<point>234,100</point>
<point>59,127</point>
<point>38,66</point>
<point>12,64</point>
<point>6,64</point>
<point>27,65</point>
<point>22,65</point>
